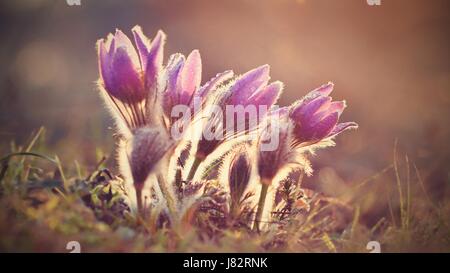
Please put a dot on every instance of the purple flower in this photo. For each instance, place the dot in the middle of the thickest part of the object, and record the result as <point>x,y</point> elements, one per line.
<point>238,180</point>
<point>149,147</point>
<point>125,73</point>
<point>183,80</point>
<point>250,89</point>
<point>128,76</point>
<point>239,173</point>
<point>316,116</point>
<point>151,56</point>
<point>142,93</point>
<point>271,159</point>
<point>309,121</point>
<point>213,85</point>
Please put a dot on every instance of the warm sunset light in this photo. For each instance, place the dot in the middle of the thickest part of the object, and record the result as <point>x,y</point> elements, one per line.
<point>237,126</point>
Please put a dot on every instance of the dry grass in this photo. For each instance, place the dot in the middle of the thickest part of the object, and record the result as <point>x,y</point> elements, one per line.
<point>45,204</point>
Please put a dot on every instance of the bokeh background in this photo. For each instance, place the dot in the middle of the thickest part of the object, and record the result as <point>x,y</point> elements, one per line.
<point>390,62</point>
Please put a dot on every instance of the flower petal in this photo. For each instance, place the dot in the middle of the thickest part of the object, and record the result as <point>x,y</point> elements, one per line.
<point>104,63</point>
<point>174,66</point>
<point>303,112</point>
<point>190,77</point>
<point>153,65</point>
<point>170,96</point>
<point>324,127</point>
<point>280,112</point>
<point>142,44</point>
<point>324,90</point>
<point>267,96</point>
<point>327,109</point>
<point>212,84</point>
<point>239,174</point>
<point>126,80</point>
<point>124,43</point>
<point>119,68</point>
<point>339,128</point>
<point>337,106</point>
<point>248,84</point>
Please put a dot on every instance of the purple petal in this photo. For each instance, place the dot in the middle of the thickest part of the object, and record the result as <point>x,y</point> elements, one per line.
<point>176,62</point>
<point>316,116</point>
<point>337,106</point>
<point>305,111</point>
<point>126,80</point>
<point>267,96</point>
<point>324,90</point>
<point>154,61</point>
<point>214,83</point>
<point>249,83</point>
<point>190,77</point>
<point>280,112</point>
<point>112,44</point>
<point>104,63</point>
<point>174,67</point>
<point>339,128</point>
<point>124,43</point>
<point>142,44</point>
<point>239,173</point>
<point>324,127</point>
<point>151,55</point>
<point>120,68</point>
<point>327,109</point>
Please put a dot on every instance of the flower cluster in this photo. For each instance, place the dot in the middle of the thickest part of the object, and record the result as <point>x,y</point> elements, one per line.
<point>222,164</point>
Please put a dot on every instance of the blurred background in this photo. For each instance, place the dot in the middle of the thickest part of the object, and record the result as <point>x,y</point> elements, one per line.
<point>390,62</point>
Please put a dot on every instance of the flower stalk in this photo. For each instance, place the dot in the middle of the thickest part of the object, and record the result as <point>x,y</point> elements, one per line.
<point>193,170</point>
<point>262,201</point>
<point>140,206</point>
<point>168,196</point>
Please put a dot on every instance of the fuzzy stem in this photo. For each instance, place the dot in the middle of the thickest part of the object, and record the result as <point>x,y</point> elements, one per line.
<point>193,170</point>
<point>139,200</point>
<point>168,196</point>
<point>233,208</point>
<point>262,201</point>
<point>179,184</point>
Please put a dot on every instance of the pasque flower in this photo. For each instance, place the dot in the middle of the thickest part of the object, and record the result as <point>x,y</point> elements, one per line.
<point>142,93</point>
<point>307,124</point>
<point>149,145</point>
<point>316,116</point>
<point>238,178</point>
<point>183,80</point>
<point>250,89</point>
<point>130,82</point>
<point>183,85</point>
<point>270,160</point>
<point>129,78</point>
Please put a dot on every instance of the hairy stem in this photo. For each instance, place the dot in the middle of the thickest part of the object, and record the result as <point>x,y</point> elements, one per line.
<point>139,201</point>
<point>193,170</point>
<point>168,196</point>
<point>261,203</point>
